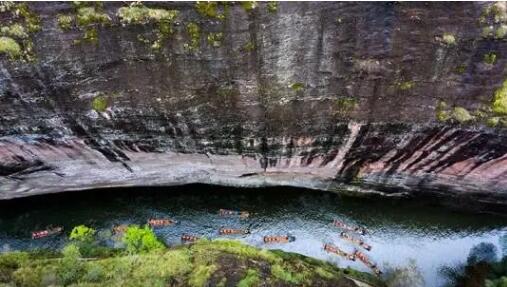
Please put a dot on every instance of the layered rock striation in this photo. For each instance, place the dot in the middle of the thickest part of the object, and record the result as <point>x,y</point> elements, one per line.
<point>389,98</point>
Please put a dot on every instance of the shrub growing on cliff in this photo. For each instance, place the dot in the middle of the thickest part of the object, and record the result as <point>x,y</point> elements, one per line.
<point>490,58</point>
<point>272,6</point>
<point>461,115</point>
<point>141,239</point>
<point>500,100</point>
<point>10,47</point>
<point>65,22</point>
<point>70,268</point>
<point>449,39</point>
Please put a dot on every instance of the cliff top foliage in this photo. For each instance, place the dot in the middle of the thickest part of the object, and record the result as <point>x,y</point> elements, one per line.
<point>215,263</point>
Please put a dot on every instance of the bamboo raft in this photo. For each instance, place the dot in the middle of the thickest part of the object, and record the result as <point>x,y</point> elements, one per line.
<point>357,241</point>
<point>227,212</point>
<point>48,232</point>
<point>160,222</point>
<point>232,231</point>
<point>342,225</point>
<point>279,239</point>
<point>189,238</point>
<point>363,258</point>
<point>333,249</point>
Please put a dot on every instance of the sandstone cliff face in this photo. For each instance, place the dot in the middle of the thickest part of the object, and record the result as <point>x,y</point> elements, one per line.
<point>379,97</point>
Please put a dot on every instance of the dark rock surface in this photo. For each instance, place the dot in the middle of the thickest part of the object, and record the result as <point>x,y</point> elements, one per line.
<point>326,95</point>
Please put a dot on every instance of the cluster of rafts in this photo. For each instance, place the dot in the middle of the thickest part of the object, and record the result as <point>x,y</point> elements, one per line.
<point>349,233</point>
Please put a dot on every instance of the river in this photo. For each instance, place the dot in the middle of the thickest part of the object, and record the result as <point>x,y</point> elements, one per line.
<point>398,230</point>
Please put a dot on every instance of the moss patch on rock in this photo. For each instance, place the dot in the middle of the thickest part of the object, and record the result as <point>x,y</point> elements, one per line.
<point>248,5</point>
<point>15,30</point>
<point>449,39</point>
<point>461,115</point>
<point>138,14</point>
<point>215,39</point>
<point>91,15</point>
<point>499,104</point>
<point>493,20</point>
<point>272,6</point>
<point>99,103</point>
<point>20,24</point>
<point>490,58</point>
<point>405,85</point>
<point>10,47</point>
<point>194,35</point>
<point>65,22</point>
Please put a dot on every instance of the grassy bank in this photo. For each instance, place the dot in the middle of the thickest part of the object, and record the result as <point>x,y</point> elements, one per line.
<point>204,263</point>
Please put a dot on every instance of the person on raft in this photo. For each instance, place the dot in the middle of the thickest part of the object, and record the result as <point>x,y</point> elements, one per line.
<point>227,212</point>
<point>160,222</point>
<point>232,231</point>
<point>342,225</point>
<point>47,232</point>
<point>189,238</point>
<point>333,249</point>
<point>279,239</point>
<point>359,242</point>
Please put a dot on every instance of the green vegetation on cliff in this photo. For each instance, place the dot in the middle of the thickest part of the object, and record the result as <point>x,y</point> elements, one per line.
<point>204,263</point>
<point>500,100</point>
<point>10,47</point>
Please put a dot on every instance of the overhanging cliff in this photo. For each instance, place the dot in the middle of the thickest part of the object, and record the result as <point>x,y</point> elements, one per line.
<point>398,98</point>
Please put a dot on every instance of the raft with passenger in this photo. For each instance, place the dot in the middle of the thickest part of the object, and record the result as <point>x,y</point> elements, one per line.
<point>334,249</point>
<point>363,258</point>
<point>233,231</point>
<point>187,238</point>
<point>227,212</point>
<point>344,226</point>
<point>47,232</point>
<point>279,238</point>
<point>355,240</point>
<point>160,222</point>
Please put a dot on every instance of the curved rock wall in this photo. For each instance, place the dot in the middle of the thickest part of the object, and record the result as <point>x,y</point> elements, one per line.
<point>376,97</point>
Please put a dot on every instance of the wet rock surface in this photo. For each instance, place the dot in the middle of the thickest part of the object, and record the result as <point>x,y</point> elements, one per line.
<point>329,96</point>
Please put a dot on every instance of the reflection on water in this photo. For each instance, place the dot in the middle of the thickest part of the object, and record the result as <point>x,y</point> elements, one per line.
<point>397,230</point>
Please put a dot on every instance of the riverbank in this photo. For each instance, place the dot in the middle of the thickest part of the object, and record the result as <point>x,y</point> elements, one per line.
<point>215,263</point>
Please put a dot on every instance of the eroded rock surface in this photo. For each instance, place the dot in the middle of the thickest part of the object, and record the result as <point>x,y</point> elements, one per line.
<point>377,97</point>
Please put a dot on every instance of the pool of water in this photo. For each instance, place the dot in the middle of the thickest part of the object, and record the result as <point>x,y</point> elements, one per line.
<point>398,230</point>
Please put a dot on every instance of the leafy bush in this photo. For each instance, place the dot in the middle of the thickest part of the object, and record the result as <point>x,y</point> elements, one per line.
<point>94,273</point>
<point>82,233</point>
<point>141,239</point>
<point>70,268</point>
<point>9,262</point>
